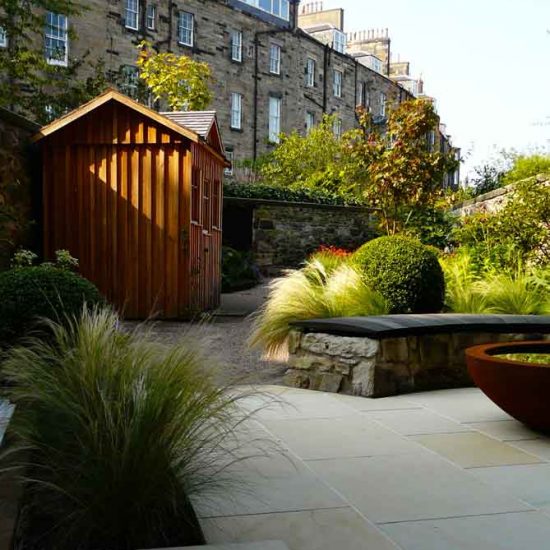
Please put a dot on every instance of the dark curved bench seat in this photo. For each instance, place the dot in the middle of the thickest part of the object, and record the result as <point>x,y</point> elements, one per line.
<point>396,326</point>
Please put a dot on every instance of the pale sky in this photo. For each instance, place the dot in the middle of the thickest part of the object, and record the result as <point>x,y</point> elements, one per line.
<point>487,62</point>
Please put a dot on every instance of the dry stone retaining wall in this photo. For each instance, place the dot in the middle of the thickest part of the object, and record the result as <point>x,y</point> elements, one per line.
<point>378,368</point>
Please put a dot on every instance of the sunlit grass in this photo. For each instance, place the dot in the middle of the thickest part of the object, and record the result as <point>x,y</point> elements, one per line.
<point>313,292</point>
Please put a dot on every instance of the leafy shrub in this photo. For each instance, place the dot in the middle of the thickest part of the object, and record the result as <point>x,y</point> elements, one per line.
<point>287,194</point>
<point>430,225</point>
<point>238,270</point>
<point>517,234</point>
<point>29,293</point>
<point>526,166</point>
<point>113,432</point>
<point>310,293</point>
<point>405,272</point>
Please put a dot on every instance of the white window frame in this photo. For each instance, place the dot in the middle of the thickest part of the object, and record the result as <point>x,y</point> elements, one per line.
<point>151,17</point>
<point>310,121</point>
<point>236,111</point>
<point>56,31</point>
<point>337,128</point>
<point>311,69</point>
<point>337,79</point>
<point>186,31</point>
<point>3,38</point>
<point>274,127</point>
<point>131,15</point>
<point>230,156</point>
<point>275,59</point>
<point>339,43</point>
<point>278,8</point>
<point>237,46</point>
<point>383,100</point>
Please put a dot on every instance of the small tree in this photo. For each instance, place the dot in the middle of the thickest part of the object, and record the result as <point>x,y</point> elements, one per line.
<point>177,79</point>
<point>312,161</point>
<point>30,85</point>
<point>398,170</point>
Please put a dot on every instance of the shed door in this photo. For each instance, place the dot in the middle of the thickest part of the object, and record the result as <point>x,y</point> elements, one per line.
<point>205,239</point>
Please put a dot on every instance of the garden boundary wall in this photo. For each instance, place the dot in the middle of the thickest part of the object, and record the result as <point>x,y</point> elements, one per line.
<point>282,234</point>
<point>18,169</point>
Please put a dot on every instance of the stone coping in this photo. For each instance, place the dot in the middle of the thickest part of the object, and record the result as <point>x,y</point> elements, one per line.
<point>290,204</point>
<point>404,325</point>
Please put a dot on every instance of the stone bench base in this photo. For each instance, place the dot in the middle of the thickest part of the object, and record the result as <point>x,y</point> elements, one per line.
<point>378,368</point>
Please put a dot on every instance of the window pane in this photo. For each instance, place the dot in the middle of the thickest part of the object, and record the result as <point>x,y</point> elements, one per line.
<point>236,111</point>
<point>151,16</point>
<point>236,46</point>
<point>274,119</point>
<point>55,39</point>
<point>186,25</point>
<point>275,59</point>
<point>132,14</point>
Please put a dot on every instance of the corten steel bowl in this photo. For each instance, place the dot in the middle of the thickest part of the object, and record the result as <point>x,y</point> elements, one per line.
<point>519,388</point>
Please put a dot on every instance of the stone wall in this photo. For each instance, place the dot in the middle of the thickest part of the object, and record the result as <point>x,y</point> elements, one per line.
<point>284,234</point>
<point>17,167</point>
<point>488,202</point>
<point>379,368</point>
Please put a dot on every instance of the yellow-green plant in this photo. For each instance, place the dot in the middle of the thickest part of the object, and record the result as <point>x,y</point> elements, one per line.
<point>309,293</point>
<point>179,80</point>
<point>113,433</point>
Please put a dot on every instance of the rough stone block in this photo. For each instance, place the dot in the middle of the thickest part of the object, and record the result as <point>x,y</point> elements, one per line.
<point>362,378</point>
<point>296,379</point>
<point>311,362</point>
<point>341,346</point>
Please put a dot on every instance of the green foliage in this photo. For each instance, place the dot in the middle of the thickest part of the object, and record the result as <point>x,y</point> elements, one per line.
<point>64,260</point>
<point>276,193</point>
<point>238,270</point>
<point>526,166</point>
<point>178,79</point>
<point>486,178</point>
<point>431,225</point>
<point>30,293</point>
<point>312,161</point>
<point>329,257</point>
<point>517,234</point>
<point>522,292</point>
<point>30,85</point>
<point>405,272</point>
<point>311,293</point>
<point>23,258</point>
<point>113,433</point>
<point>397,170</point>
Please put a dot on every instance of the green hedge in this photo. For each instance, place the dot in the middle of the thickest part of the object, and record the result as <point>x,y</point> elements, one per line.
<point>38,292</point>
<point>268,192</point>
<point>406,273</point>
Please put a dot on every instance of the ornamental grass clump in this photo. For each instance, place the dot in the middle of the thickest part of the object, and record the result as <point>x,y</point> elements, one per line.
<point>310,293</point>
<point>112,435</point>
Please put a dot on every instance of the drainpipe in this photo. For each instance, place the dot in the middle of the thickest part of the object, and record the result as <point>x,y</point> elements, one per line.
<point>389,56</point>
<point>325,77</point>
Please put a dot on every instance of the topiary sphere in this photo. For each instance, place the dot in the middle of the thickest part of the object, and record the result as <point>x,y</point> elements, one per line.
<point>30,293</point>
<point>406,272</point>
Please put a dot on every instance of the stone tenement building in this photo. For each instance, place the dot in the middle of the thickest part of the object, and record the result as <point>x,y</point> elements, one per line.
<point>271,76</point>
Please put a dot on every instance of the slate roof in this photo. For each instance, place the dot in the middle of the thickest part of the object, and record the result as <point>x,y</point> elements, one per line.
<point>199,122</point>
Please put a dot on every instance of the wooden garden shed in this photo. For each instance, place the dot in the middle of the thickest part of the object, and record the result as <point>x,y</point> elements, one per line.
<point>136,196</point>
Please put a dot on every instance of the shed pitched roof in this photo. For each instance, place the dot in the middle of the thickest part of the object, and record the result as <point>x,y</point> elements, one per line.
<point>203,123</point>
<point>214,142</point>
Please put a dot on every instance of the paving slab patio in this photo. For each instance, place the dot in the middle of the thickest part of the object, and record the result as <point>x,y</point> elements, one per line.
<point>438,470</point>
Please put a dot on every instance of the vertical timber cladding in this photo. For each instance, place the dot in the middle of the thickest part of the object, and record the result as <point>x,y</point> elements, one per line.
<point>117,195</point>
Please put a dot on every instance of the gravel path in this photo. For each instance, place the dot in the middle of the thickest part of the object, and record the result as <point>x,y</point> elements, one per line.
<point>224,337</point>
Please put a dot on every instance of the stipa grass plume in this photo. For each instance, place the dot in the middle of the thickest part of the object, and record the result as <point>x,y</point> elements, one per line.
<point>462,293</point>
<point>313,292</point>
<point>520,293</point>
<point>113,433</point>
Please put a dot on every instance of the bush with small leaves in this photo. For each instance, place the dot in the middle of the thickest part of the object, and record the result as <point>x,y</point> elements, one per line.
<point>405,272</point>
